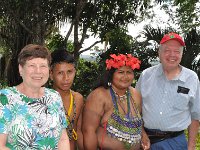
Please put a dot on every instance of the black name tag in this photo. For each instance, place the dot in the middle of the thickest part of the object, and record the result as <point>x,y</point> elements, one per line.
<point>183,90</point>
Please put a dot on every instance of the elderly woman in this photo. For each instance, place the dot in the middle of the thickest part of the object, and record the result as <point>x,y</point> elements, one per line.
<point>32,116</point>
<point>111,117</point>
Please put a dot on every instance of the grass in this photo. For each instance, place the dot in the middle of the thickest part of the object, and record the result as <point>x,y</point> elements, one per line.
<point>198,142</point>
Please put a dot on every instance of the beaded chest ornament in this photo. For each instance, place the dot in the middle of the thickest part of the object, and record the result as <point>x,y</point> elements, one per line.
<point>125,128</point>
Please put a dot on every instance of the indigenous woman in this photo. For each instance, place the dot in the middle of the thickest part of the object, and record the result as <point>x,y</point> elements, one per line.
<point>62,74</point>
<point>111,117</point>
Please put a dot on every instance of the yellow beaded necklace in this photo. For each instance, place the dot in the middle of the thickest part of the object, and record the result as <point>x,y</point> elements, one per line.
<point>71,131</point>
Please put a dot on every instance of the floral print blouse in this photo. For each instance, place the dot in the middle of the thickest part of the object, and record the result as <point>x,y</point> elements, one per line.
<point>31,123</point>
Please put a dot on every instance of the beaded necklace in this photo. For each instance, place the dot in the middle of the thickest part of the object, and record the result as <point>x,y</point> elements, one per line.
<point>70,130</point>
<point>125,128</point>
<point>121,98</point>
<point>113,94</point>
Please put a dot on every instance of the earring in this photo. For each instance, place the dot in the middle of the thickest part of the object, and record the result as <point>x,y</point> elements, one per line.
<point>109,84</point>
<point>50,83</point>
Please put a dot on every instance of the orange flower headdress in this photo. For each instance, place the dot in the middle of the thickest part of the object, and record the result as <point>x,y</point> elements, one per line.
<point>117,61</point>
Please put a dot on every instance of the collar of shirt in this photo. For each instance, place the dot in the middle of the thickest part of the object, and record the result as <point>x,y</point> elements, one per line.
<point>182,76</point>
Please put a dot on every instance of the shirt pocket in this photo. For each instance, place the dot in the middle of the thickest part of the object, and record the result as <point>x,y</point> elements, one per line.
<point>181,102</point>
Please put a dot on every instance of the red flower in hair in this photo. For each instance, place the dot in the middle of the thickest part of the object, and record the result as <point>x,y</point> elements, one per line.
<point>122,60</point>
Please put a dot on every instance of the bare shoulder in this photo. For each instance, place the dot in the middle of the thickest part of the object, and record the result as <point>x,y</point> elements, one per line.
<point>78,98</point>
<point>97,98</point>
<point>97,94</point>
<point>136,95</point>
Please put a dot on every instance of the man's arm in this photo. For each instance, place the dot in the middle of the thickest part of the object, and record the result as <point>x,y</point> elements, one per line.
<point>192,134</point>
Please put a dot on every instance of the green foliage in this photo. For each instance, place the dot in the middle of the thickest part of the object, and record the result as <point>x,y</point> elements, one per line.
<point>25,22</point>
<point>3,84</point>
<point>120,42</point>
<point>188,13</point>
<point>28,20</point>
<point>192,38</point>
<point>183,13</point>
<point>58,41</point>
<point>198,139</point>
<point>147,50</point>
<point>198,142</point>
<point>55,42</point>
<point>100,17</point>
<point>86,77</point>
<point>103,16</point>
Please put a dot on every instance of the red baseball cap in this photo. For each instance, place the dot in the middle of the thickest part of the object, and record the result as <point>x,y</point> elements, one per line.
<point>172,36</point>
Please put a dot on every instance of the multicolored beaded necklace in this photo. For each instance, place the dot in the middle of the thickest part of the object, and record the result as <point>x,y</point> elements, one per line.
<point>70,130</point>
<point>126,128</point>
<point>120,98</point>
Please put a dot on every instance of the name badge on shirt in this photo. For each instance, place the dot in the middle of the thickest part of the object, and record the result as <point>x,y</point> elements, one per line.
<point>183,90</point>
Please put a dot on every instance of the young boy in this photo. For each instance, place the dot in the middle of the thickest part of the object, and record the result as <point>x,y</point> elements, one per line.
<point>62,74</point>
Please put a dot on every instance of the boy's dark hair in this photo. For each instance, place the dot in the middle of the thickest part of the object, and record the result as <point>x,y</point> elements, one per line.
<point>61,55</point>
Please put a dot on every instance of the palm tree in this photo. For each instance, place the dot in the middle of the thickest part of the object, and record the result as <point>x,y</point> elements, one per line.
<point>192,50</point>
<point>147,50</point>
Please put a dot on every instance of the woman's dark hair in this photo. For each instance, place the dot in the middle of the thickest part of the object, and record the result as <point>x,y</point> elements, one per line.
<point>106,77</point>
<point>61,55</point>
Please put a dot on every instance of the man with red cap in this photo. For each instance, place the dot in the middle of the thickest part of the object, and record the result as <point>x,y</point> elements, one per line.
<point>170,98</point>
